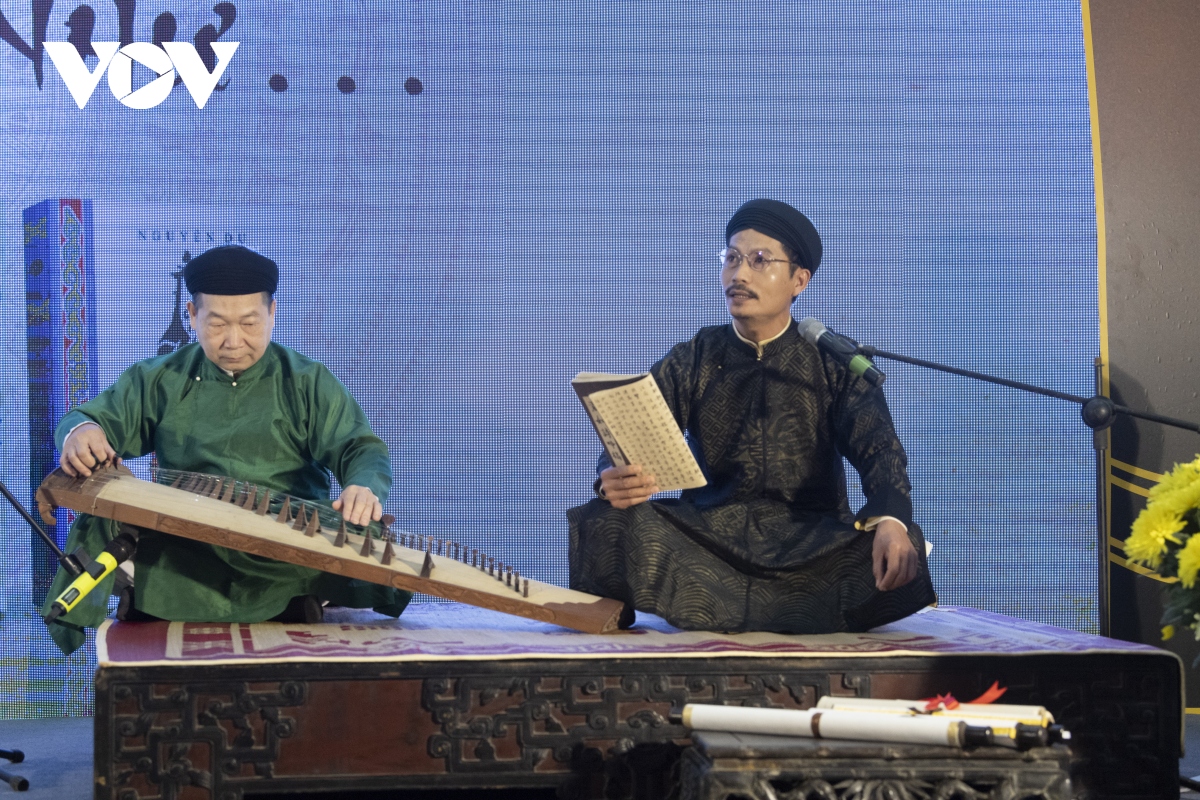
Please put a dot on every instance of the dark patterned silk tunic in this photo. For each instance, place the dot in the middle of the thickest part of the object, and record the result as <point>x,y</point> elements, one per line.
<point>770,543</point>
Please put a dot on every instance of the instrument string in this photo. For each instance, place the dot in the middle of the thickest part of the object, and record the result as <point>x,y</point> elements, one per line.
<point>309,516</point>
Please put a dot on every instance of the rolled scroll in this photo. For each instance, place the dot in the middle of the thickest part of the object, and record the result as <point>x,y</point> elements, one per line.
<point>817,723</point>
<point>1030,715</point>
<point>1016,726</point>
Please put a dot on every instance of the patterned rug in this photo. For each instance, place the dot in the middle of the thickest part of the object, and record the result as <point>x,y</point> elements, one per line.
<point>451,632</point>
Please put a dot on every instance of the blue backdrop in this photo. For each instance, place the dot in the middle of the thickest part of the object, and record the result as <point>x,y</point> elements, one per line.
<point>472,202</point>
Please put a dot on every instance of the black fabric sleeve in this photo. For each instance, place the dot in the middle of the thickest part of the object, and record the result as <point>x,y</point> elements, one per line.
<point>866,436</point>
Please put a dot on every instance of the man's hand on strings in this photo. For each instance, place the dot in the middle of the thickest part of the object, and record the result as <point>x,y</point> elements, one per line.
<point>627,486</point>
<point>85,449</point>
<point>893,555</point>
<point>358,505</point>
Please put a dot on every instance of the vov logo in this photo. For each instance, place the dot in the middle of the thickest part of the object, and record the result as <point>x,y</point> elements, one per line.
<point>166,61</point>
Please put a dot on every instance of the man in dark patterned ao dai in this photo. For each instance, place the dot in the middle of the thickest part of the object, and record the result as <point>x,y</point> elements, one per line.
<point>769,543</point>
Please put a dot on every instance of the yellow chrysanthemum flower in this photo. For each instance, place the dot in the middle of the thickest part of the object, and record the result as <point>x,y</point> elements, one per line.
<point>1150,533</point>
<point>1162,519</point>
<point>1168,632</point>
<point>1189,562</point>
<point>1180,477</point>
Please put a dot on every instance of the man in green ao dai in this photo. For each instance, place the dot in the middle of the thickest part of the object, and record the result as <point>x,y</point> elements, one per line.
<point>233,403</point>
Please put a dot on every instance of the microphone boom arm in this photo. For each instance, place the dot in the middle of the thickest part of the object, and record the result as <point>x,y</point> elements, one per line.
<point>1098,412</point>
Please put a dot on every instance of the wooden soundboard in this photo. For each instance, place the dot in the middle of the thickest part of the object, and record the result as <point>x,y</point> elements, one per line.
<point>236,519</point>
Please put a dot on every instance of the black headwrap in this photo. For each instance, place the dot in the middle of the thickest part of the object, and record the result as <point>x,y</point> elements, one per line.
<point>231,269</point>
<point>779,221</point>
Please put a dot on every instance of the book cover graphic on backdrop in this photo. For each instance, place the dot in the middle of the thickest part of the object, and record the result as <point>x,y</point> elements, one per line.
<point>635,425</point>
<point>60,337</point>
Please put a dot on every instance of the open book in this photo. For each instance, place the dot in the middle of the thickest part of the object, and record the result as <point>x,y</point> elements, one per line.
<point>636,427</point>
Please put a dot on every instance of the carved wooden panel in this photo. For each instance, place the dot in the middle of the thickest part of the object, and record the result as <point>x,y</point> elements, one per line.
<point>591,728</point>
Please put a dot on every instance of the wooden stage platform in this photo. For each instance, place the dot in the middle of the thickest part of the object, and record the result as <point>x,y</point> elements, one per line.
<point>452,696</point>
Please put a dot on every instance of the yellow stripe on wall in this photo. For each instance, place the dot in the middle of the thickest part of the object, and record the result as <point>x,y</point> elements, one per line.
<point>1129,487</point>
<point>1101,249</point>
<point>1101,245</point>
<point>1139,569</point>
<point>1138,471</point>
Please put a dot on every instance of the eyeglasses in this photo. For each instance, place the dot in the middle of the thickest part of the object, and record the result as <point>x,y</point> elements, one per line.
<point>758,260</point>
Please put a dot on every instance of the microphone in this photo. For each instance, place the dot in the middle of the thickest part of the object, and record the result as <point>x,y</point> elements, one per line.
<point>845,350</point>
<point>119,549</point>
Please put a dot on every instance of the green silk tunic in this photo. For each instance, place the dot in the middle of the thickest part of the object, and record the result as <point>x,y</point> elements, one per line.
<point>285,423</point>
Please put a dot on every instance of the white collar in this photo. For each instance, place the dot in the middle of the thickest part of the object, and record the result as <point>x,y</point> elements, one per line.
<point>758,346</point>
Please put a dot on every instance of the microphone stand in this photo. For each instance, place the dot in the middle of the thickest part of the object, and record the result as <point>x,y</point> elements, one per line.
<point>74,564</point>
<point>1098,413</point>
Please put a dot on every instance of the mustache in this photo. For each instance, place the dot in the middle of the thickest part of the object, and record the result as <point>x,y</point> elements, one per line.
<point>740,290</point>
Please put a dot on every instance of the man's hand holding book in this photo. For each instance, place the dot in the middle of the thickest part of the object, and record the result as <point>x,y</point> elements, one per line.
<point>627,485</point>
